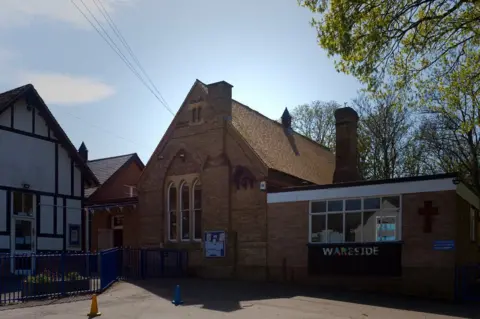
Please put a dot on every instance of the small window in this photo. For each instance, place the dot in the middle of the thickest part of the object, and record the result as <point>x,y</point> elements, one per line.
<point>22,204</point>
<point>353,204</point>
<point>117,222</point>
<point>319,207</point>
<point>172,213</point>
<point>335,228</point>
<point>194,115</point>
<point>199,113</point>
<point>335,205</point>
<point>185,212</point>
<point>371,203</point>
<point>318,228</point>
<point>197,211</point>
<point>391,202</point>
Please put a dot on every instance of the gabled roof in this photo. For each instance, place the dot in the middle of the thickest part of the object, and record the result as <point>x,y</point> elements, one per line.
<point>105,168</point>
<point>281,148</point>
<point>28,91</point>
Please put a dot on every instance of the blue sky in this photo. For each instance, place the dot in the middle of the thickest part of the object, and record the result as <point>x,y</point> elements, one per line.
<point>266,49</point>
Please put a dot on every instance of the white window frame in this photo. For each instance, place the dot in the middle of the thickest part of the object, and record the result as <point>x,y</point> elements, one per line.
<point>184,210</point>
<point>194,211</point>
<point>398,228</point>
<point>169,235</point>
<point>113,221</point>
<point>22,213</point>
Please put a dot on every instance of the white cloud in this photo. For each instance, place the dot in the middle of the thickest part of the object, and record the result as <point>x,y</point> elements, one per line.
<point>66,89</point>
<point>14,13</point>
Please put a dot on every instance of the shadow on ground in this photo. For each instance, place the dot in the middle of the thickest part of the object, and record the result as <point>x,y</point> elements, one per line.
<point>226,296</point>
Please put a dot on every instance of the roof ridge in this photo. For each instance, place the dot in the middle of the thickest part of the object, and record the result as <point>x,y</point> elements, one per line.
<point>26,86</point>
<point>279,124</point>
<point>111,157</point>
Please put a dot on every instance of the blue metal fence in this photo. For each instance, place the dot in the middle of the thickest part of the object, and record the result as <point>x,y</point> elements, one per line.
<point>34,276</point>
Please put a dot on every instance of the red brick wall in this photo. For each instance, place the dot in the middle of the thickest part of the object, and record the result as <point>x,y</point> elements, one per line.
<point>425,272</point>
<point>115,188</point>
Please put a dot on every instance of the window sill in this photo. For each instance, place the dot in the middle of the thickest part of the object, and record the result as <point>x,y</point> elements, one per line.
<point>397,242</point>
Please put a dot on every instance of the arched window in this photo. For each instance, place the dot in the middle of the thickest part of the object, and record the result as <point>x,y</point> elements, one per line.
<point>197,210</point>
<point>184,212</point>
<point>172,212</point>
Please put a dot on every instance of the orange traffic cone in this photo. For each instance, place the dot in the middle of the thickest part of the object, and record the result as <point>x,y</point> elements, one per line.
<point>94,308</point>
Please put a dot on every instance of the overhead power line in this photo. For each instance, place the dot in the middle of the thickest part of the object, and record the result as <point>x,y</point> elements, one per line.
<point>122,39</point>
<point>108,39</point>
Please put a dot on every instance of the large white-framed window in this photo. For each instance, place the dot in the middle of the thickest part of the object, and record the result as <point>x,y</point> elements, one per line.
<point>172,212</point>
<point>184,212</point>
<point>197,210</point>
<point>355,220</point>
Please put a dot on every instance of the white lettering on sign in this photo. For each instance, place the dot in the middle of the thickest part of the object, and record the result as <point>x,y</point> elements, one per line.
<point>351,251</point>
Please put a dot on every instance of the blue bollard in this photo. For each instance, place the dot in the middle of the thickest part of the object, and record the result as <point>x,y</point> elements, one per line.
<point>177,299</point>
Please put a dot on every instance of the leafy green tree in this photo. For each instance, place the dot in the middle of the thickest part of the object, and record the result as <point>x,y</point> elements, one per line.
<point>451,125</point>
<point>406,39</point>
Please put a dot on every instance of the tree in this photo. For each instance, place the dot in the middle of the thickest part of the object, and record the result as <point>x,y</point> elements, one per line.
<point>388,146</point>
<point>450,129</point>
<point>316,121</point>
<point>405,38</point>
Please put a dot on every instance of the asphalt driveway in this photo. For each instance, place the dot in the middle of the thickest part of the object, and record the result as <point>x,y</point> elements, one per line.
<point>220,299</point>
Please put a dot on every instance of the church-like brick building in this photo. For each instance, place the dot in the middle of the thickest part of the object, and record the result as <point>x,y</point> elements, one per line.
<point>250,198</point>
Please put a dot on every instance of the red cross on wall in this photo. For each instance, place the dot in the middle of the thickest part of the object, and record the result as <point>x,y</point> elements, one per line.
<point>428,211</point>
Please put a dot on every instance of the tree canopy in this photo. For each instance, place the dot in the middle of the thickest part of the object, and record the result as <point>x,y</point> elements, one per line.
<point>406,39</point>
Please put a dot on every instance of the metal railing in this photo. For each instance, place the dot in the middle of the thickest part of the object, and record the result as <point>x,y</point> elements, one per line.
<point>37,276</point>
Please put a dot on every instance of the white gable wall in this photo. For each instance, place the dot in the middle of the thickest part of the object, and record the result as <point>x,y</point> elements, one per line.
<point>31,154</point>
<point>64,172</point>
<point>22,117</point>
<point>5,117</point>
<point>26,159</point>
<point>41,127</point>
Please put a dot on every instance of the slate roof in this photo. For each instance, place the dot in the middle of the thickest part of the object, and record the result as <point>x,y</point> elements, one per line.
<point>29,92</point>
<point>283,149</point>
<point>8,97</point>
<point>104,168</point>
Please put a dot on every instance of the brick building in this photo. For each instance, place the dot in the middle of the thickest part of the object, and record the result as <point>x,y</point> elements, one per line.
<point>112,204</point>
<point>229,183</point>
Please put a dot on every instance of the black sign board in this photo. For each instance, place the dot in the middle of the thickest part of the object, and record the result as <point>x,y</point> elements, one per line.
<point>368,259</point>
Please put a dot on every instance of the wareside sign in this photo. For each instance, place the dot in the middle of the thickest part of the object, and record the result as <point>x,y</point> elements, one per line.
<point>350,251</point>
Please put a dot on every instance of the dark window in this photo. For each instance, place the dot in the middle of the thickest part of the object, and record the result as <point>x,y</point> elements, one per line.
<point>199,113</point>
<point>172,213</point>
<point>185,212</point>
<point>197,210</point>
<point>194,115</point>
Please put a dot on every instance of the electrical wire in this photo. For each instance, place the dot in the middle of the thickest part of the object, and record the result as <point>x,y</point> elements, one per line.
<point>117,50</point>
<point>118,33</point>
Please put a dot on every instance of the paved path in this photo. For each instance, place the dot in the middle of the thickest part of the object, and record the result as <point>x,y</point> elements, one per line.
<point>210,300</point>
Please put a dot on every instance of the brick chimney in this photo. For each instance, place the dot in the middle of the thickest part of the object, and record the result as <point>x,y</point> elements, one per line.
<point>346,158</point>
<point>220,98</point>
<point>83,152</point>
